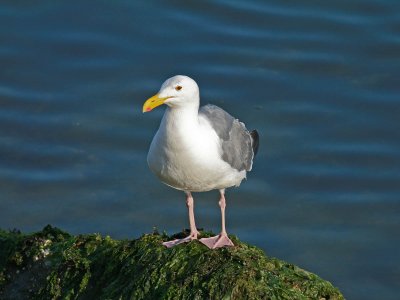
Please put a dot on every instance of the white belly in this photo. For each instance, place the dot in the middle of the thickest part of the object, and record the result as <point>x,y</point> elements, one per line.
<point>189,159</point>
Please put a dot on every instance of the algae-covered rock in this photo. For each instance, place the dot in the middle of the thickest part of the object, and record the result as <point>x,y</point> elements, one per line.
<point>51,264</point>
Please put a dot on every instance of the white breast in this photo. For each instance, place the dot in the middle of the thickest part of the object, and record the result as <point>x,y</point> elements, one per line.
<point>185,154</point>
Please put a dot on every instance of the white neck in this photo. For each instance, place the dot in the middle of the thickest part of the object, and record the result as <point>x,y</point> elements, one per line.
<point>182,116</point>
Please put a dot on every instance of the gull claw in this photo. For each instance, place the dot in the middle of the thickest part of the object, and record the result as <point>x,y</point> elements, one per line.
<point>218,241</point>
<point>191,237</point>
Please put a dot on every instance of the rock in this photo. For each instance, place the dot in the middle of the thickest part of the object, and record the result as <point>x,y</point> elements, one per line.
<point>52,264</point>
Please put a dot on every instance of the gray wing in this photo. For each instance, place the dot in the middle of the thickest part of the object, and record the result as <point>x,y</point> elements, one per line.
<point>236,140</point>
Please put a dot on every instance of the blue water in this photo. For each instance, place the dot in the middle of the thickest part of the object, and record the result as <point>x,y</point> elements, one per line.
<point>319,80</point>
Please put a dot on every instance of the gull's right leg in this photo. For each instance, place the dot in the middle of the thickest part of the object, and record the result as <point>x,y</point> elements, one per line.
<point>193,230</point>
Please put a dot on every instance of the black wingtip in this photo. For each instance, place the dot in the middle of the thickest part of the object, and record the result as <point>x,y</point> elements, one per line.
<point>255,141</point>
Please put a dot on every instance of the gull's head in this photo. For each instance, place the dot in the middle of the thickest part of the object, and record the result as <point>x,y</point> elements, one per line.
<point>177,91</point>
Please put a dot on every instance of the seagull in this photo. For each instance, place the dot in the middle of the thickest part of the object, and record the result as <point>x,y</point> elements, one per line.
<point>198,150</point>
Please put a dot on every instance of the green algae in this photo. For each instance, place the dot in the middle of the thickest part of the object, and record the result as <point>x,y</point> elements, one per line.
<point>51,264</point>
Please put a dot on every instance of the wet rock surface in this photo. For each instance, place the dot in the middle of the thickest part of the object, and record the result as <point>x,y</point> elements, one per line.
<point>52,264</point>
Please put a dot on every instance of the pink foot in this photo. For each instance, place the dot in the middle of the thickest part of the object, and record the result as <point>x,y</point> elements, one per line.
<point>217,241</point>
<point>187,239</point>
<point>173,243</point>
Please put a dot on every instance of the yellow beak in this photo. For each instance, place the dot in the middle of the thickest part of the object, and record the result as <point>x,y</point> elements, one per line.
<point>153,102</point>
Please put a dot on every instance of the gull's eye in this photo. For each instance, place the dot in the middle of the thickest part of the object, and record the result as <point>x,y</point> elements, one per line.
<point>178,88</point>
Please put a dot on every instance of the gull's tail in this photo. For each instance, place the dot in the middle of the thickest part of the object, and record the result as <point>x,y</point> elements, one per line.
<point>255,141</point>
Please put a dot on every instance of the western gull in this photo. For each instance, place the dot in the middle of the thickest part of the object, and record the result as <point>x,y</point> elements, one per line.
<point>198,150</point>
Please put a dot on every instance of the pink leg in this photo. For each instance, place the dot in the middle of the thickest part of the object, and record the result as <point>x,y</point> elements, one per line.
<point>193,230</point>
<point>222,239</point>
<point>222,205</point>
<point>192,223</point>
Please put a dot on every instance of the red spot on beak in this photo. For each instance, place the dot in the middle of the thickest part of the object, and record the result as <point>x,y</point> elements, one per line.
<point>148,109</point>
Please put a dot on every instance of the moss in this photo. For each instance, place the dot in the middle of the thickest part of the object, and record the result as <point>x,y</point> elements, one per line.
<point>52,264</point>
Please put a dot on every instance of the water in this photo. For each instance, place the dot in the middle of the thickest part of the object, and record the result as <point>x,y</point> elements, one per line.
<point>319,80</point>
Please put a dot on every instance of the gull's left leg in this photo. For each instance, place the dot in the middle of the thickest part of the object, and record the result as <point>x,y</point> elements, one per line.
<point>222,239</point>
<point>193,230</point>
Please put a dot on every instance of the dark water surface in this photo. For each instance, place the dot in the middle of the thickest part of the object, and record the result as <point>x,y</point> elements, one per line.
<point>319,80</point>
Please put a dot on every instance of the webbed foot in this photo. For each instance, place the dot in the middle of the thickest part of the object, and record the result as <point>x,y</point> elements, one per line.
<point>218,241</point>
